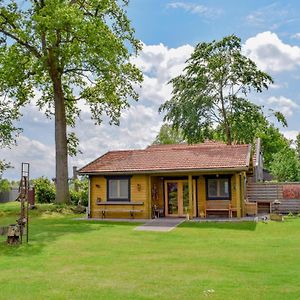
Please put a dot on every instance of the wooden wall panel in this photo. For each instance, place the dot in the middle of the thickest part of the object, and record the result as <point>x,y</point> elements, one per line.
<point>139,193</point>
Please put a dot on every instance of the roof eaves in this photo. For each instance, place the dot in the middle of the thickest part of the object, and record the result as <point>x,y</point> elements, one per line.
<point>236,169</point>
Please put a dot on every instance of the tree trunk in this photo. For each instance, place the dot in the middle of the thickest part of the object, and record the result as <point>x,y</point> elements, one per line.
<point>226,124</point>
<point>61,150</point>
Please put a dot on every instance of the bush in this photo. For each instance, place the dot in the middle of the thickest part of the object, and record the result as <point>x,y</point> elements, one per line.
<point>82,193</point>
<point>44,190</point>
<point>4,185</point>
<point>75,196</point>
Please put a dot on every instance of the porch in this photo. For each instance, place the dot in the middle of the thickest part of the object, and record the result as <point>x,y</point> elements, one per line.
<point>197,196</point>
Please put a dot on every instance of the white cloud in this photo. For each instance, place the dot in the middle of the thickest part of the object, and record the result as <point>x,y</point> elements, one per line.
<point>277,86</point>
<point>197,9</point>
<point>271,54</point>
<point>159,64</point>
<point>284,105</point>
<point>290,134</point>
<point>296,36</point>
<point>40,156</point>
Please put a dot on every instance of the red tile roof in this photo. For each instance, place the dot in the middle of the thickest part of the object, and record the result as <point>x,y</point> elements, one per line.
<point>180,157</point>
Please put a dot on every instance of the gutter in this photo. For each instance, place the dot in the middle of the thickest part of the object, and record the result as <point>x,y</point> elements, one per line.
<point>167,171</point>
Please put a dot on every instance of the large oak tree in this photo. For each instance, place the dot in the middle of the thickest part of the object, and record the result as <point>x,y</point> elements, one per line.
<point>65,51</point>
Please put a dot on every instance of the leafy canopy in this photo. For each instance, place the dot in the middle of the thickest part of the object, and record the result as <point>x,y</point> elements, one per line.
<point>8,131</point>
<point>210,97</point>
<point>168,135</point>
<point>297,144</point>
<point>89,43</point>
<point>285,165</point>
<point>66,53</point>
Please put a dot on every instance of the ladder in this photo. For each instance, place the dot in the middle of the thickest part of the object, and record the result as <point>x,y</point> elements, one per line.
<point>23,197</point>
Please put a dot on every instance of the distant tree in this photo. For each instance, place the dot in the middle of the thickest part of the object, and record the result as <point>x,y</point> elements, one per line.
<point>4,185</point>
<point>63,52</point>
<point>213,91</point>
<point>297,143</point>
<point>273,141</point>
<point>168,135</point>
<point>285,165</point>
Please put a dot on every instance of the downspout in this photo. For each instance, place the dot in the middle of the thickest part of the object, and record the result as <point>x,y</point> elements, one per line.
<point>89,199</point>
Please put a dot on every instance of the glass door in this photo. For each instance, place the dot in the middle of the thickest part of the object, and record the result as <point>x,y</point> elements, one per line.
<point>185,198</point>
<point>177,198</point>
<point>172,198</point>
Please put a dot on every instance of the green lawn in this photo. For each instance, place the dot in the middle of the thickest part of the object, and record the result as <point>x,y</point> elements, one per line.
<point>69,259</point>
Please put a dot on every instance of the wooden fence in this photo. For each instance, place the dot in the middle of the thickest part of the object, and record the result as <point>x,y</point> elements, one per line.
<point>288,194</point>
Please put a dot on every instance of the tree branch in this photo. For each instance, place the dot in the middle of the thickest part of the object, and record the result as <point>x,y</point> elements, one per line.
<point>31,48</point>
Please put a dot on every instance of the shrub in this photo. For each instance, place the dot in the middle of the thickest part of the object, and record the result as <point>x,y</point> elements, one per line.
<point>4,185</point>
<point>75,196</point>
<point>82,191</point>
<point>44,190</point>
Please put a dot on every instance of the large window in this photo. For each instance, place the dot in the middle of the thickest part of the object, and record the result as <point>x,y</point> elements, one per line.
<point>218,188</point>
<point>118,189</point>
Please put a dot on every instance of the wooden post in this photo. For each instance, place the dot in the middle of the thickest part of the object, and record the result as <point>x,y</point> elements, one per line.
<point>191,205</point>
<point>149,198</point>
<point>242,178</point>
<point>238,194</point>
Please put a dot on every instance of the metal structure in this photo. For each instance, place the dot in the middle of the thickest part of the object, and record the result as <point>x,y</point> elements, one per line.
<point>23,198</point>
<point>15,232</point>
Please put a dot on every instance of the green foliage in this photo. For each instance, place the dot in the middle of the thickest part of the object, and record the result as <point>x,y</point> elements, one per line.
<point>273,142</point>
<point>8,131</point>
<point>64,54</point>
<point>4,185</point>
<point>89,45</point>
<point>79,191</point>
<point>297,143</point>
<point>75,196</point>
<point>285,165</point>
<point>3,166</point>
<point>213,91</point>
<point>168,135</point>
<point>246,119</point>
<point>44,190</point>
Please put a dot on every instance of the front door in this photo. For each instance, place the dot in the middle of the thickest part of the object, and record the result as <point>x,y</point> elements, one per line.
<point>177,198</point>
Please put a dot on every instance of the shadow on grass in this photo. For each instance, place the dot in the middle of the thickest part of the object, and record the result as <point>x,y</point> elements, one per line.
<point>43,232</point>
<point>246,225</point>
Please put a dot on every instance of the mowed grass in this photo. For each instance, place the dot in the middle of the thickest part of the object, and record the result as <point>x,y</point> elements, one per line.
<point>68,259</point>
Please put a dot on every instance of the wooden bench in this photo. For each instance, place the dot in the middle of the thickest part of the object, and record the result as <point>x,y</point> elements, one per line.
<point>218,206</point>
<point>128,207</point>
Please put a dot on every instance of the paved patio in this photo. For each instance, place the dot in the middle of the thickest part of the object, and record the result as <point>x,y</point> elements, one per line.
<point>160,224</point>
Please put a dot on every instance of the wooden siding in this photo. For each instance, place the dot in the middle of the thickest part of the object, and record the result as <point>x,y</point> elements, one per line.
<point>237,194</point>
<point>264,194</point>
<point>150,190</point>
<point>139,193</point>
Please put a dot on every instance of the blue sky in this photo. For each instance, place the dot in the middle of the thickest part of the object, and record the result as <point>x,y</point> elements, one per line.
<point>270,33</point>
